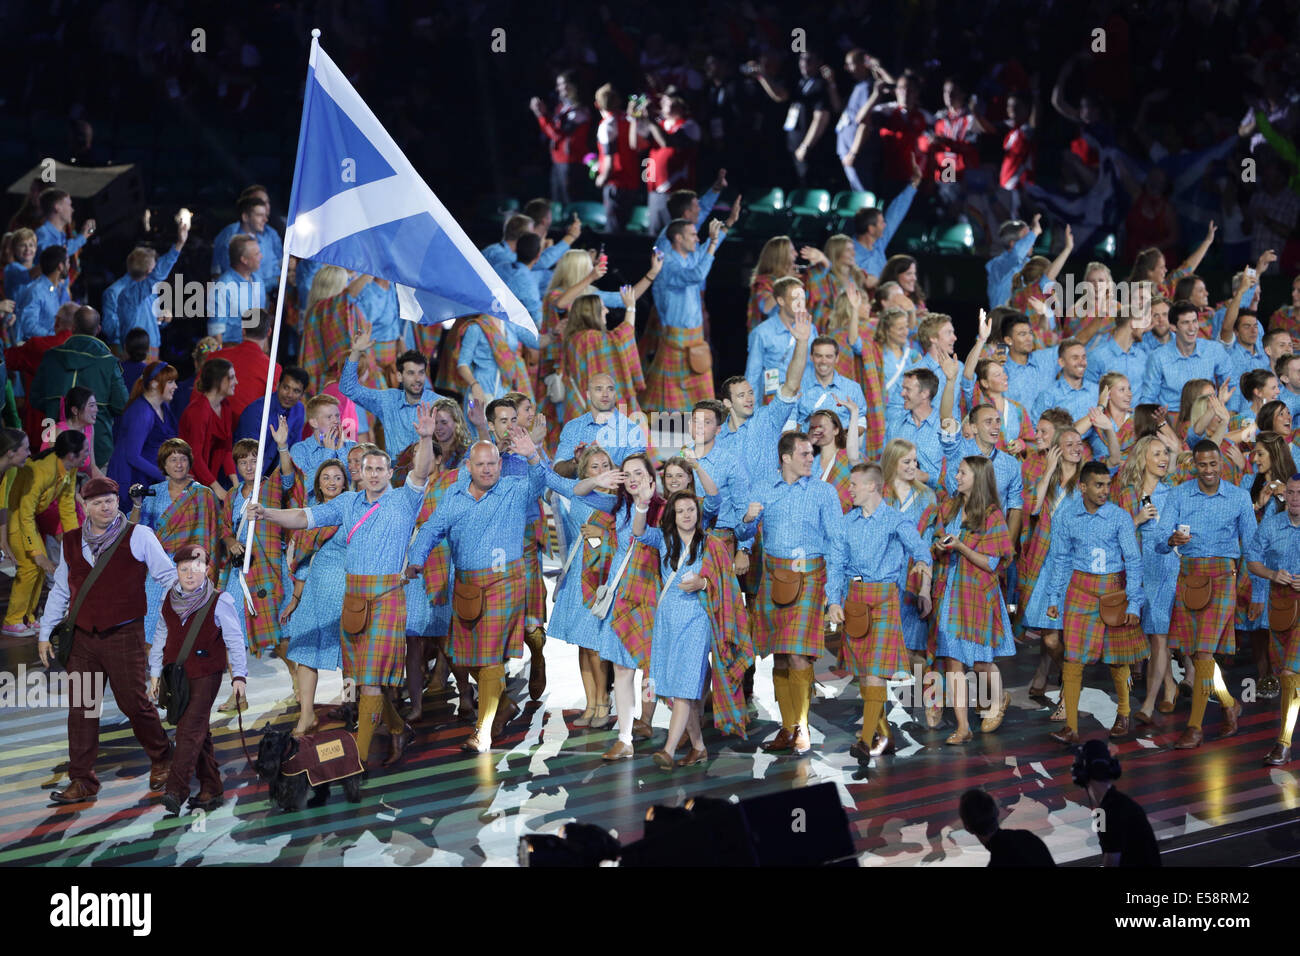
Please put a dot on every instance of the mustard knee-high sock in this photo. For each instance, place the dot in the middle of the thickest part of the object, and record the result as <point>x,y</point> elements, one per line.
<point>1202,686</point>
<point>1221,689</point>
<point>1071,688</point>
<point>392,719</point>
<point>801,694</point>
<point>873,706</point>
<point>781,686</point>
<point>369,707</point>
<point>1119,673</point>
<point>1290,706</point>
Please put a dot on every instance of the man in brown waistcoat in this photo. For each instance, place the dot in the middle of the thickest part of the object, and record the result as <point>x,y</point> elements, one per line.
<point>110,637</point>
<point>220,638</point>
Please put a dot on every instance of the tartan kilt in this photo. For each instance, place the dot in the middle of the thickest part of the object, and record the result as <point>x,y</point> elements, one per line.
<point>499,633</point>
<point>880,653</point>
<point>670,385</point>
<point>377,658</point>
<point>386,356</point>
<point>1287,650</point>
<point>799,628</point>
<point>1086,636</point>
<point>1211,630</point>
<point>534,583</point>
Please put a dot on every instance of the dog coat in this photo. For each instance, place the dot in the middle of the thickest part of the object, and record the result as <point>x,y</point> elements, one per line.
<point>325,757</point>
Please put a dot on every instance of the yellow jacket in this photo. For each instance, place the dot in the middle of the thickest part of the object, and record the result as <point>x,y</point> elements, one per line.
<point>37,484</point>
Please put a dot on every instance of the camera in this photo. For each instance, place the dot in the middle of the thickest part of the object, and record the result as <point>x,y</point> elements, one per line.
<point>141,491</point>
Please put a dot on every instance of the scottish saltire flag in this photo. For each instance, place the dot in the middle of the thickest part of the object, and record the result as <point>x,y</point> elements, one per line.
<point>358,203</point>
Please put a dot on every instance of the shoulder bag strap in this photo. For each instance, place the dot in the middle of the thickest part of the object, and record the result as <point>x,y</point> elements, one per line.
<point>93,576</point>
<point>196,622</point>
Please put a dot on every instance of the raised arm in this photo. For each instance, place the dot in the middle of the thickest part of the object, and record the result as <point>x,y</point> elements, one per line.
<point>799,361</point>
<point>423,463</point>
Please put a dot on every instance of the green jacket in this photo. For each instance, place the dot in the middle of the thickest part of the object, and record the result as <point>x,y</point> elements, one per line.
<point>82,360</point>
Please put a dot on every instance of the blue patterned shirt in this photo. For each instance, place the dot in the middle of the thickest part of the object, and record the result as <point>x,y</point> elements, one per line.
<point>1002,269</point>
<point>1025,382</point>
<point>815,396</point>
<point>800,519</point>
<point>389,405</point>
<point>1168,370</point>
<point>1100,542</point>
<point>872,261</point>
<point>519,279</point>
<point>35,306</point>
<point>1222,524</point>
<point>134,308</point>
<point>231,296</point>
<point>476,353</point>
<point>771,347</point>
<point>268,240</point>
<point>1276,545</point>
<point>1061,394</point>
<point>485,533</point>
<point>620,436</point>
<point>874,548</point>
<point>1109,357</point>
<point>677,289</point>
<point>925,436</point>
<point>379,545</point>
<point>754,443</point>
<point>732,481</point>
<point>47,234</point>
<point>309,454</point>
<point>1006,468</point>
<point>381,310</point>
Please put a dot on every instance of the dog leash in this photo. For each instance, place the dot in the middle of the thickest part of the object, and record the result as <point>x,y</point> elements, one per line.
<point>242,742</point>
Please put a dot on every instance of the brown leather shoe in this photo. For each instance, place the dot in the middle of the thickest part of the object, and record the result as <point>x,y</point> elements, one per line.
<point>860,751</point>
<point>398,743</point>
<point>641,730</point>
<point>1279,755</point>
<point>158,774</point>
<point>1120,727</point>
<point>620,751</point>
<point>993,721</point>
<point>692,758</point>
<point>75,792</point>
<point>536,673</point>
<point>883,743</point>
<point>507,710</point>
<point>1066,735</point>
<point>781,741</point>
<point>663,760</point>
<point>1191,739</point>
<point>1230,720</point>
<point>800,742</point>
<point>473,745</point>
<point>1142,717</point>
<point>684,743</point>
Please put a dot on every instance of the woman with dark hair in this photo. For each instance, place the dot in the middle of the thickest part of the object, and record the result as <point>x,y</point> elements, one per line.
<point>1274,466</point>
<point>971,623</point>
<point>78,409</point>
<point>902,269</point>
<point>46,483</point>
<point>147,422</point>
<point>699,610</point>
<point>1275,417</point>
<point>836,448</point>
<point>619,582</point>
<point>209,424</point>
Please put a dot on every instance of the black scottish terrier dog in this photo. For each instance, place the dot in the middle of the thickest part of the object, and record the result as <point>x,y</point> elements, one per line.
<point>289,791</point>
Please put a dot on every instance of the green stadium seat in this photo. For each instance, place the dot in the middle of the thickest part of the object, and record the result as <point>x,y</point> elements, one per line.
<point>763,223</point>
<point>590,212</point>
<point>809,202</point>
<point>911,237</point>
<point>850,201</point>
<point>639,220</point>
<point>954,239</point>
<point>771,201</point>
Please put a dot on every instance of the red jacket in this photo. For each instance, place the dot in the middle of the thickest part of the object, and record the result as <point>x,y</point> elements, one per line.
<point>209,435</point>
<point>569,130</point>
<point>250,364</point>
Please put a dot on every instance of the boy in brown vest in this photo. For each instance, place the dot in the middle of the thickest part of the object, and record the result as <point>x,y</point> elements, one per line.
<point>220,638</point>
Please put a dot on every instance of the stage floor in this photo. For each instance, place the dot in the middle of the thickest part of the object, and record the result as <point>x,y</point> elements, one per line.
<point>1216,805</point>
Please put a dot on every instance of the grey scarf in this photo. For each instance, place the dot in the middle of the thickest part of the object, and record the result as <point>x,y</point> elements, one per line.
<point>99,542</point>
<point>185,603</point>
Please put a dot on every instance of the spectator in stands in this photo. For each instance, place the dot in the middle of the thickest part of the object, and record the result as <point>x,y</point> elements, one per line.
<point>729,115</point>
<point>136,346</point>
<point>254,212</point>
<point>236,290</point>
<point>1272,211</point>
<point>132,305</point>
<point>251,360</point>
<point>1082,159</point>
<point>569,129</point>
<point>37,301</point>
<point>56,216</point>
<point>960,182</point>
<point>1019,148</point>
<point>1017,239</point>
<point>808,116</point>
<point>618,169</point>
<point>83,360</point>
<point>675,141</point>
<point>900,126</point>
<point>979,815</point>
<point>208,424</point>
<point>858,164</point>
<point>873,229</point>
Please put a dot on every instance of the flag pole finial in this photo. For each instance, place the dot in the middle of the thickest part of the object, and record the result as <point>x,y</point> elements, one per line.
<point>315,34</point>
